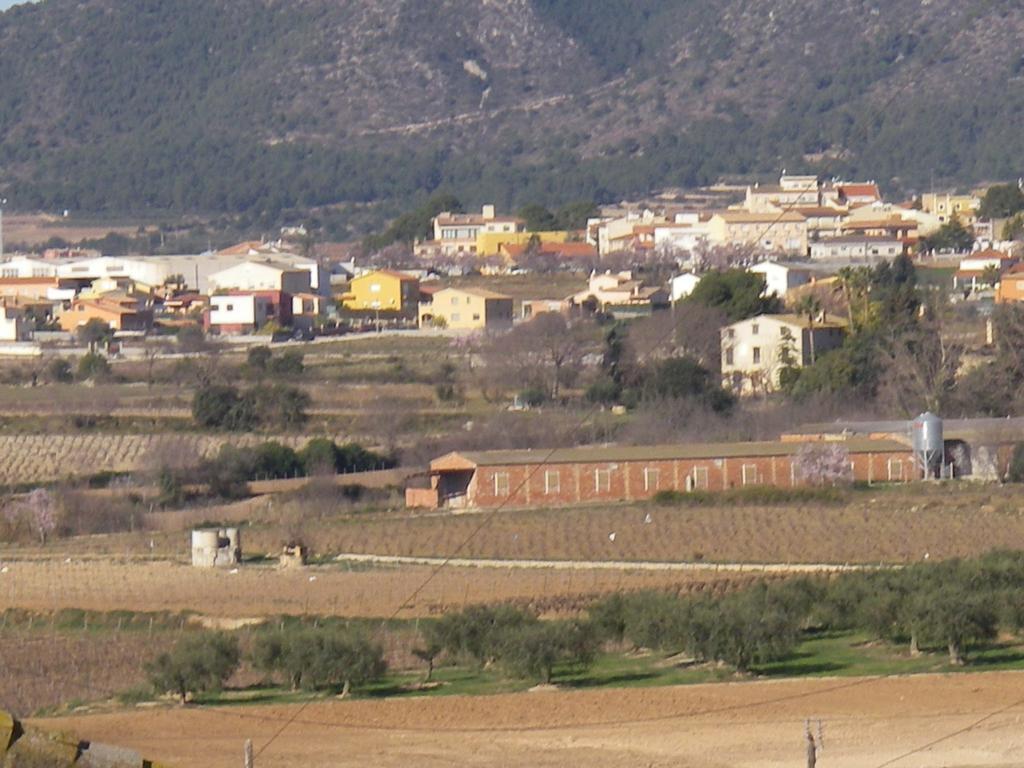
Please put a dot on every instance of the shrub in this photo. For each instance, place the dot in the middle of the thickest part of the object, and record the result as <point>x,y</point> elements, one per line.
<point>214,404</point>
<point>478,633</point>
<point>258,357</point>
<point>195,665</point>
<point>93,366</point>
<point>191,339</point>
<point>534,396</point>
<point>1015,472</point>
<point>288,363</point>
<point>59,371</point>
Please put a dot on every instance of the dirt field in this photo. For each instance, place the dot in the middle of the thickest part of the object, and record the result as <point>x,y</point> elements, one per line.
<point>368,592</point>
<point>909,722</point>
<point>888,526</point>
<point>34,229</point>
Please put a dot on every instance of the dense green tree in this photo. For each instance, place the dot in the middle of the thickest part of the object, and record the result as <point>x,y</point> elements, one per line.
<point>94,331</point>
<point>951,236</point>
<point>678,378</point>
<point>92,366</point>
<point>1001,201</point>
<point>196,664</point>
<point>737,292</point>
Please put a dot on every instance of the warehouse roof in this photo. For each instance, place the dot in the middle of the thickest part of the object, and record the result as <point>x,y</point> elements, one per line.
<point>601,453</point>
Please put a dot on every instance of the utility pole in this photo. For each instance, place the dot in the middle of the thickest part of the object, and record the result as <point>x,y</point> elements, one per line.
<point>3,202</point>
<point>248,753</point>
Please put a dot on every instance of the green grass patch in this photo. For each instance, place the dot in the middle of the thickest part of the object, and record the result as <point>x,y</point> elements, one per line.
<point>759,495</point>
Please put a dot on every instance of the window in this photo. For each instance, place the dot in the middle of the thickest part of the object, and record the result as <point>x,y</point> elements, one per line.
<point>700,478</point>
<point>895,469</point>
<point>755,329</point>
<point>552,481</point>
<point>757,355</point>
<point>455,301</point>
<point>750,474</point>
<point>375,288</point>
<point>501,483</point>
<point>476,316</point>
<point>10,273</point>
<point>229,307</point>
<point>455,317</point>
<point>728,356</point>
<point>602,480</point>
<point>651,478</point>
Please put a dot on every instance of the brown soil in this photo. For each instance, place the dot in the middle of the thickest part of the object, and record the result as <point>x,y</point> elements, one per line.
<point>253,591</point>
<point>955,721</point>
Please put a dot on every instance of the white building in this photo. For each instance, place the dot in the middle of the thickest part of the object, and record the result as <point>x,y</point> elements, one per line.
<point>856,248</point>
<point>24,267</point>
<point>241,313</point>
<point>261,276</point>
<point>681,286</point>
<point>14,326</point>
<point>195,270</point>
<point>779,278</point>
<point>756,350</point>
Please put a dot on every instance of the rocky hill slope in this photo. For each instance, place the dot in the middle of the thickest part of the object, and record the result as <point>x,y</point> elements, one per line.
<point>267,104</point>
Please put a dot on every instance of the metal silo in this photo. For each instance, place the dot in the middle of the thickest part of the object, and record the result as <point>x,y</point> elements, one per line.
<point>929,445</point>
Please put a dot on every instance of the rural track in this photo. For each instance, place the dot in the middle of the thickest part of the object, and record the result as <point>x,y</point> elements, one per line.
<point>609,565</point>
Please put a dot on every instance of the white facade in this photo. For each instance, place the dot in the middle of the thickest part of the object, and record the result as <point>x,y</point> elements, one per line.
<point>779,279</point>
<point>196,269</point>
<point>754,351</point>
<point>682,286</point>
<point>243,311</point>
<point>853,247</point>
<point>23,267</point>
<point>261,276</point>
<point>14,326</point>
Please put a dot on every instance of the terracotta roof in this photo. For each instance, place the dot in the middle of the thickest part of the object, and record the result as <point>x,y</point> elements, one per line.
<point>554,249</point>
<point>859,239</point>
<point>390,273</point>
<point>483,293</point>
<point>894,223</point>
<point>241,249</point>
<point>744,217</point>
<point>818,211</point>
<point>801,321</point>
<point>612,453</point>
<point>860,190</point>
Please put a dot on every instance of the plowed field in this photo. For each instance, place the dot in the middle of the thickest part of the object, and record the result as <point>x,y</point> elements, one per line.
<point>910,722</point>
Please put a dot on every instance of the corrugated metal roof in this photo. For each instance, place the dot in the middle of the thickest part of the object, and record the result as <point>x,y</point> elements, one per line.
<point>603,453</point>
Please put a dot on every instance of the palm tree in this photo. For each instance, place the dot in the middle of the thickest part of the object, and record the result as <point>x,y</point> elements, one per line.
<point>809,305</point>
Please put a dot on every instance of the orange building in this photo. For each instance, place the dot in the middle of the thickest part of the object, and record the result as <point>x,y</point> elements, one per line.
<point>120,313</point>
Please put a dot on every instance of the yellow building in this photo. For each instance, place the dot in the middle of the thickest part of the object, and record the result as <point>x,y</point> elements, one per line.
<point>784,232</point>
<point>467,309</point>
<point>946,206</point>
<point>383,291</point>
<point>491,243</point>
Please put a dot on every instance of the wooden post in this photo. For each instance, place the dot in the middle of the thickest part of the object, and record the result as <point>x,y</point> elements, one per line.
<point>248,753</point>
<point>812,750</point>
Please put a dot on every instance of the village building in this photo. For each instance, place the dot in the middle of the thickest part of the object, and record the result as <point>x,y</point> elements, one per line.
<point>947,206</point>
<point>261,276</point>
<point>466,309</point>
<point>681,286</point>
<point>771,232</point>
<point>119,312</point>
<point>603,474</point>
<point>983,270</point>
<point>857,248</point>
<point>14,324</point>
<point>619,294</point>
<point>781,278</point>
<point>456,234</point>
<point>755,351</point>
<point>383,290</point>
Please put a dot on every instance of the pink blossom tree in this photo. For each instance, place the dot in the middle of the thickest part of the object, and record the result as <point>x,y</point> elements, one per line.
<point>42,513</point>
<point>822,464</point>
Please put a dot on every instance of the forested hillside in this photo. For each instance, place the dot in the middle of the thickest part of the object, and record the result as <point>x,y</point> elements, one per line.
<point>264,105</point>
